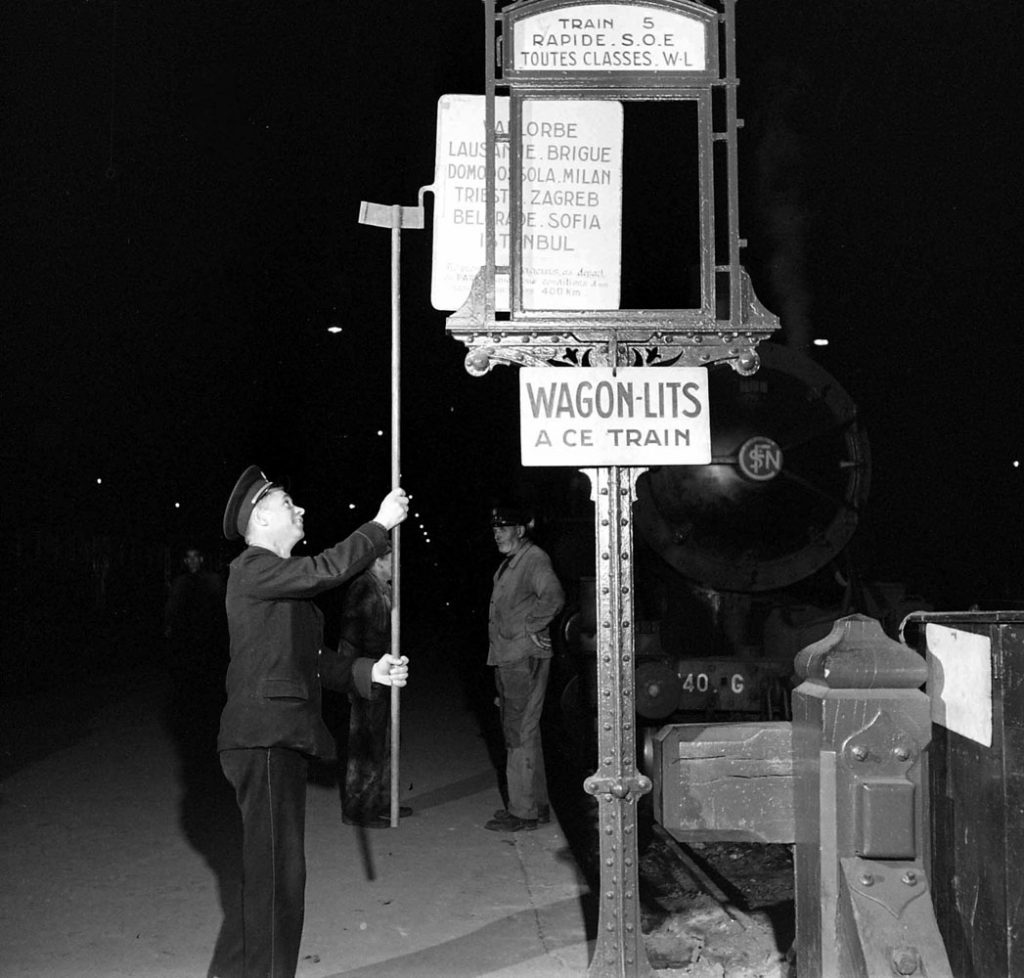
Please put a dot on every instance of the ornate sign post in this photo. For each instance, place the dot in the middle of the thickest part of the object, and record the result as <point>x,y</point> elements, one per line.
<point>610,194</point>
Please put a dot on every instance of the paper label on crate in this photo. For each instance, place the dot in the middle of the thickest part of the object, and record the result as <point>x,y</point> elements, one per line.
<point>960,681</point>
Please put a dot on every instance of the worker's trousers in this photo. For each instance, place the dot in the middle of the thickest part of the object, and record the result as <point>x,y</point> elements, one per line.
<point>521,688</point>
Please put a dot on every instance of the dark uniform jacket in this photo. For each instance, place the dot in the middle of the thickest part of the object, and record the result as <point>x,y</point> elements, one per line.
<point>278,661</point>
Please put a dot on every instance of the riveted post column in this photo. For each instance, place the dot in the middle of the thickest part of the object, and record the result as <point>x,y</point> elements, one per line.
<point>616,784</point>
<point>570,312</point>
<point>861,728</point>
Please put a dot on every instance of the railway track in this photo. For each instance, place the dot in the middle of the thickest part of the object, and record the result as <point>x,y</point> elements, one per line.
<point>709,910</point>
<point>716,909</point>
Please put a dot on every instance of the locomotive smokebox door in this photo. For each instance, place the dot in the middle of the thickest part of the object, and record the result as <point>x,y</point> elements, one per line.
<point>790,469</point>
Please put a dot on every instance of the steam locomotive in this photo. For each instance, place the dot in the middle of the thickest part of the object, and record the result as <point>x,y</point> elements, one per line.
<point>740,563</point>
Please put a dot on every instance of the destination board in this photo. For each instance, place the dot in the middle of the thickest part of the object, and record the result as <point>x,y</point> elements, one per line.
<point>609,37</point>
<point>571,202</point>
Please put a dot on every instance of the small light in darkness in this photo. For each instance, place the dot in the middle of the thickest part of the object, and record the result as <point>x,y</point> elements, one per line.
<point>334,328</point>
<point>351,505</point>
<point>821,342</point>
<point>379,432</point>
<point>177,505</point>
<point>99,482</point>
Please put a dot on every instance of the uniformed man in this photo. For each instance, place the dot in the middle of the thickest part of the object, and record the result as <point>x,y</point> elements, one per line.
<point>271,725</point>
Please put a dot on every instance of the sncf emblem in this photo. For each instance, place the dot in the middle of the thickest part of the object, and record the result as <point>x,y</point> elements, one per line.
<point>760,458</point>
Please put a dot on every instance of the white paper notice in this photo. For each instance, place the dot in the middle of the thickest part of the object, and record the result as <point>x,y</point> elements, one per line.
<point>571,220</point>
<point>960,681</point>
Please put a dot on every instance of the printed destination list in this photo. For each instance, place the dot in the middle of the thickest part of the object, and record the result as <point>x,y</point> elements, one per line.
<point>571,202</point>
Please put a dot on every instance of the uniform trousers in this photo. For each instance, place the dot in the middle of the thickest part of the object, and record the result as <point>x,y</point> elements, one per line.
<point>270,787</point>
<point>521,688</point>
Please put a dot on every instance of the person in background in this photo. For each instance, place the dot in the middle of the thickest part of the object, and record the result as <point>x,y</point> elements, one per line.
<point>525,597</point>
<point>366,630</point>
<point>195,626</point>
<point>271,724</point>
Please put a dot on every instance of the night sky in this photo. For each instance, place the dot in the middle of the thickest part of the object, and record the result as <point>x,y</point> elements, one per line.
<point>181,190</point>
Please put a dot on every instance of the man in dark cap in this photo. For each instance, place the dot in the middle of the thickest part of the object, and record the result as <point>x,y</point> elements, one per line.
<point>272,724</point>
<point>525,597</point>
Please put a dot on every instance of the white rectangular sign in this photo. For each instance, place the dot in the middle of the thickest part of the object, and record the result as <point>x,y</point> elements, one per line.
<point>960,681</point>
<point>589,416</point>
<point>571,202</point>
<point>609,37</point>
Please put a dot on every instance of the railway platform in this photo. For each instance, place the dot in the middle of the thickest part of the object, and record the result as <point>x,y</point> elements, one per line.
<point>120,839</point>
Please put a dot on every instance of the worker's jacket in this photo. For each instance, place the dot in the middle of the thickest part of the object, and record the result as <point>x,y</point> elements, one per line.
<point>525,598</point>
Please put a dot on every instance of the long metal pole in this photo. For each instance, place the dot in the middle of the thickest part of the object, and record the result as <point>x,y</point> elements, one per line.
<point>395,217</point>
<point>396,481</point>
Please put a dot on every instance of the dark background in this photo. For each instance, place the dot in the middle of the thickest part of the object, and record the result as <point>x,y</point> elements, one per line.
<point>181,184</point>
